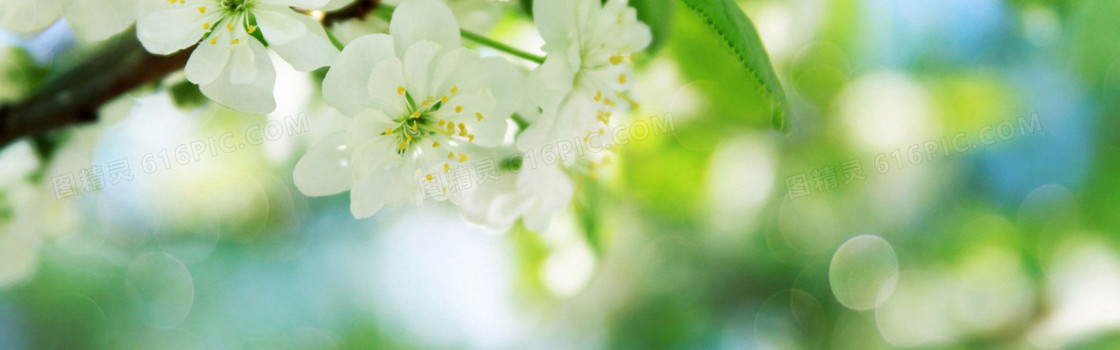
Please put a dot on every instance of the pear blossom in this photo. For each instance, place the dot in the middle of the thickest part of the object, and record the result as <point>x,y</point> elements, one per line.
<point>583,80</point>
<point>230,62</point>
<point>421,104</point>
<point>91,20</point>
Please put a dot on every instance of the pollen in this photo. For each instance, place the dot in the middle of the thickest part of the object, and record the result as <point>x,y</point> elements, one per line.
<point>441,122</point>
<point>202,9</point>
<point>622,78</point>
<point>214,40</point>
<point>429,177</point>
<point>446,167</point>
<point>450,155</point>
<point>458,109</point>
<point>388,131</point>
<point>407,138</point>
<point>435,144</point>
<point>470,138</point>
<point>454,89</point>
<point>229,26</point>
<point>416,115</point>
<point>598,96</point>
<point>443,99</point>
<point>462,158</point>
<point>479,116</point>
<point>616,59</point>
<point>252,29</point>
<point>206,26</point>
<point>403,145</point>
<point>235,41</point>
<point>400,90</point>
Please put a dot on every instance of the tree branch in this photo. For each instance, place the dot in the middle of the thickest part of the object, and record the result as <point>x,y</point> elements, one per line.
<point>76,96</point>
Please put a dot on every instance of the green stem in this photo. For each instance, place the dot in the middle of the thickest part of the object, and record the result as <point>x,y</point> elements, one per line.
<point>500,46</point>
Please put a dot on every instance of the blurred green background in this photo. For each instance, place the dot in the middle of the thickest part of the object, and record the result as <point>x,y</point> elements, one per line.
<point>950,178</point>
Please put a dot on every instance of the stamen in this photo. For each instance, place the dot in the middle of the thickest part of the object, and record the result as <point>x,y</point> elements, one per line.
<point>454,89</point>
<point>429,177</point>
<point>622,78</point>
<point>400,90</point>
<point>202,9</point>
<point>388,131</point>
<point>435,144</point>
<point>458,109</point>
<point>462,158</point>
<point>479,115</point>
<point>451,155</point>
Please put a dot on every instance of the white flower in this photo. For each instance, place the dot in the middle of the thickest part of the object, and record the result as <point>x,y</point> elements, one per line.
<point>581,83</point>
<point>230,63</point>
<point>91,20</point>
<point>534,193</point>
<point>421,104</point>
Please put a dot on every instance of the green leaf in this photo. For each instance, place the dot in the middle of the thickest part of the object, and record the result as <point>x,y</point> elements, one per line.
<point>186,95</point>
<point>737,32</point>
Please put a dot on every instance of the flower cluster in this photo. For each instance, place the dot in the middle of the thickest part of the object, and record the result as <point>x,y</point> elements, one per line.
<point>422,105</point>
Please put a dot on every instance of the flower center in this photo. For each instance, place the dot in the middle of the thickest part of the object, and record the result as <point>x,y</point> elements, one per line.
<point>421,123</point>
<point>237,6</point>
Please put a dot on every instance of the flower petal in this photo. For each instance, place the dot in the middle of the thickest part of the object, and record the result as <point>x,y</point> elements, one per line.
<point>254,97</point>
<point>418,62</point>
<point>29,16</point>
<point>100,19</point>
<point>558,21</point>
<point>325,169</point>
<point>303,4</point>
<point>424,20</point>
<point>311,50</point>
<point>165,27</point>
<point>207,62</point>
<point>552,190</point>
<point>345,86</point>
<point>279,25</point>
<point>384,88</point>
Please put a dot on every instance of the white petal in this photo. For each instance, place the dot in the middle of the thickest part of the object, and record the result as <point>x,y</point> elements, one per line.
<point>368,195</point>
<point>100,19</point>
<point>384,86</point>
<point>243,64</point>
<point>307,52</point>
<point>552,189</point>
<point>255,97</point>
<point>325,169</point>
<point>506,86</point>
<point>367,127</point>
<point>280,25</point>
<point>336,4</point>
<point>28,15</point>
<point>207,62</point>
<point>345,86</point>
<point>303,4</point>
<point>557,21</point>
<point>424,20</point>
<point>418,63</point>
<point>164,28</point>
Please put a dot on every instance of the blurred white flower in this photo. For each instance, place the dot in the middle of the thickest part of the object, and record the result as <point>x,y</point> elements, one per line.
<point>535,194</point>
<point>421,105</point>
<point>91,20</point>
<point>230,63</point>
<point>581,83</point>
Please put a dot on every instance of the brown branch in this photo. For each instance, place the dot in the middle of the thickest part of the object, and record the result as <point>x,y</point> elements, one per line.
<point>76,96</point>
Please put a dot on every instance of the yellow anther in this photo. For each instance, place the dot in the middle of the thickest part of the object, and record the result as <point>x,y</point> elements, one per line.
<point>462,158</point>
<point>414,126</point>
<point>616,59</point>
<point>479,116</point>
<point>598,96</point>
<point>388,131</point>
<point>458,109</point>
<point>600,131</point>
<point>229,25</point>
<point>462,130</point>
<point>454,89</point>
<point>445,190</point>
<point>400,90</point>
<point>425,103</point>
<point>443,99</point>
<point>470,138</point>
<point>416,115</point>
<point>450,126</point>
<point>214,40</point>
<point>622,78</point>
<point>402,145</point>
<point>446,167</point>
<point>608,102</point>
<point>450,155</point>
<point>202,9</point>
<point>408,138</point>
<point>429,177</point>
<point>441,122</point>
<point>235,41</point>
<point>435,144</point>
<point>252,29</point>
<point>206,26</point>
